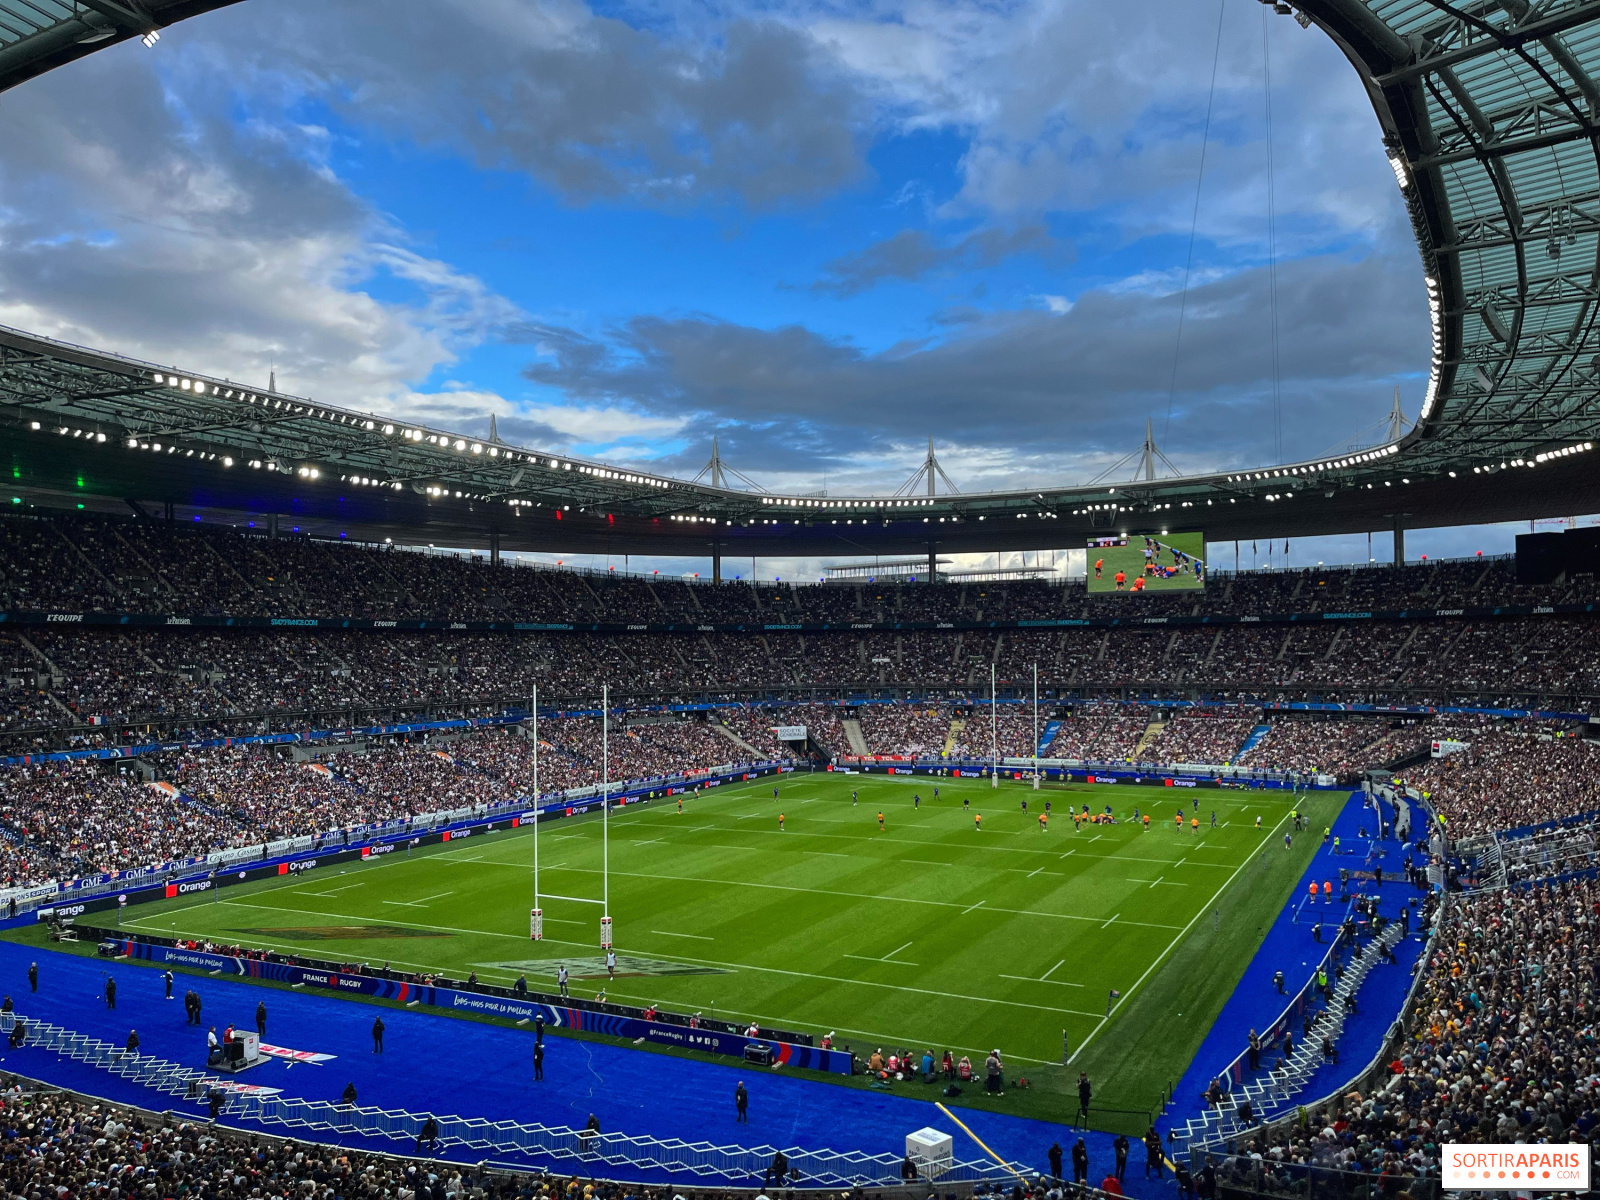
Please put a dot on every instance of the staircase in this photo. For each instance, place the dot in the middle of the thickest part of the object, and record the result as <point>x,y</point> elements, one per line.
<point>1272,1090</point>
<point>954,736</point>
<point>755,755</point>
<point>1254,740</point>
<point>853,734</point>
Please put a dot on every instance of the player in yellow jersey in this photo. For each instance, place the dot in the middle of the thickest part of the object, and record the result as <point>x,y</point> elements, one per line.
<point>880,822</point>
<point>1194,823</point>
<point>977,822</point>
<point>1042,820</point>
<point>1147,822</point>
<point>780,822</point>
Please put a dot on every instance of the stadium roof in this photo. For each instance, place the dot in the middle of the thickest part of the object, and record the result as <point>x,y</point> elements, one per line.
<point>1488,113</point>
<point>37,35</point>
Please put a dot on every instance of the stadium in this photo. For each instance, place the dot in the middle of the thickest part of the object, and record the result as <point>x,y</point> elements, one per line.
<point>476,874</point>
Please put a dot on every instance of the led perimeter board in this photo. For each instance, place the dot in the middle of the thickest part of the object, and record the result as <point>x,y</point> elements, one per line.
<point>1137,562</point>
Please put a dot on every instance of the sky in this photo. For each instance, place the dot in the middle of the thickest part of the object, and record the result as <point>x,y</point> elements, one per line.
<point>821,232</point>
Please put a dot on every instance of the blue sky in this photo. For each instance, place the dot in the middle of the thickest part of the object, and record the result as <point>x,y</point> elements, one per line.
<point>819,231</point>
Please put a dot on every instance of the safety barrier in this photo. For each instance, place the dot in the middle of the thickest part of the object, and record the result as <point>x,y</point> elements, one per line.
<point>557,1143</point>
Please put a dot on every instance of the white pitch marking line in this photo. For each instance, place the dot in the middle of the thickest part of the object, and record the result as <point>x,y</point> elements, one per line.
<point>707,962</point>
<point>1108,923</point>
<point>979,904</point>
<point>893,962</point>
<point>574,899</point>
<point>1160,958</point>
<point>892,953</point>
<point>668,933</point>
<point>1053,982</point>
<point>1046,976</point>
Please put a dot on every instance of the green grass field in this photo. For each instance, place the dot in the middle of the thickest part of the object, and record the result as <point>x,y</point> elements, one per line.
<point>928,933</point>
<point>1130,559</point>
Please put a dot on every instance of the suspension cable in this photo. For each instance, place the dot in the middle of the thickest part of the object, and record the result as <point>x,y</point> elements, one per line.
<point>1194,220</point>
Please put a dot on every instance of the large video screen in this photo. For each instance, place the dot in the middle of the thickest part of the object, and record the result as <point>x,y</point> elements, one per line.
<point>1168,562</point>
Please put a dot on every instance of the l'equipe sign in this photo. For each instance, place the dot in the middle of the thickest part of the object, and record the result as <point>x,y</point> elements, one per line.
<point>1516,1168</point>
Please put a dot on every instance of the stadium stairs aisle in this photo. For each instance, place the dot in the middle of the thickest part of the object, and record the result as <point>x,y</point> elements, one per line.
<point>447,1065</point>
<point>1289,947</point>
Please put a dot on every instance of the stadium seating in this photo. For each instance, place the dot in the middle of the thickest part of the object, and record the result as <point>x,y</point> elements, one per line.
<point>1473,1016</point>
<point>101,564</point>
<point>90,686</point>
<point>61,1144</point>
<point>62,685</point>
<point>67,820</point>
<point>1495,1049</point>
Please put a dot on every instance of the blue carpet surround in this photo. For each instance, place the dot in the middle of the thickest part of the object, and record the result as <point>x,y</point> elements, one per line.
<point>1289,947</point>
<point>433,1062</point>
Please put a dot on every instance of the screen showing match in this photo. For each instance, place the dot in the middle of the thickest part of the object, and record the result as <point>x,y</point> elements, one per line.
<point>1136,562</point>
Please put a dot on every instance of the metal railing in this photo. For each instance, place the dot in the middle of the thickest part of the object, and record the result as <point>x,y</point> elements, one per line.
<point>808,1168</point>
<point>1364,1081</point>
<point>1243,1175</point>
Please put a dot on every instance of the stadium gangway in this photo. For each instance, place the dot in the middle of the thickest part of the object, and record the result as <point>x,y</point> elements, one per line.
<point>1270,1094</point>
<point>548,1143</point>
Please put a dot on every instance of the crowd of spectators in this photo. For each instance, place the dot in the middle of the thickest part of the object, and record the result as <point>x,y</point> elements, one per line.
<point>1499,1045</point>
<point>79,819</point>
<point>80,563</point>
<point>1107,733</point>
<point>69,680</point>
<point>912,730</point>
<point>1313,744</point>
<point>62,1145</point>
<point>72,820</point>
<point>1511,774</point>
<point>1009,726</point>
<point>1199,735</point>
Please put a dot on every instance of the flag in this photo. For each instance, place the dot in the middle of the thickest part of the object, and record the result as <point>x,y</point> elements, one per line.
<point>1115,995</point>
